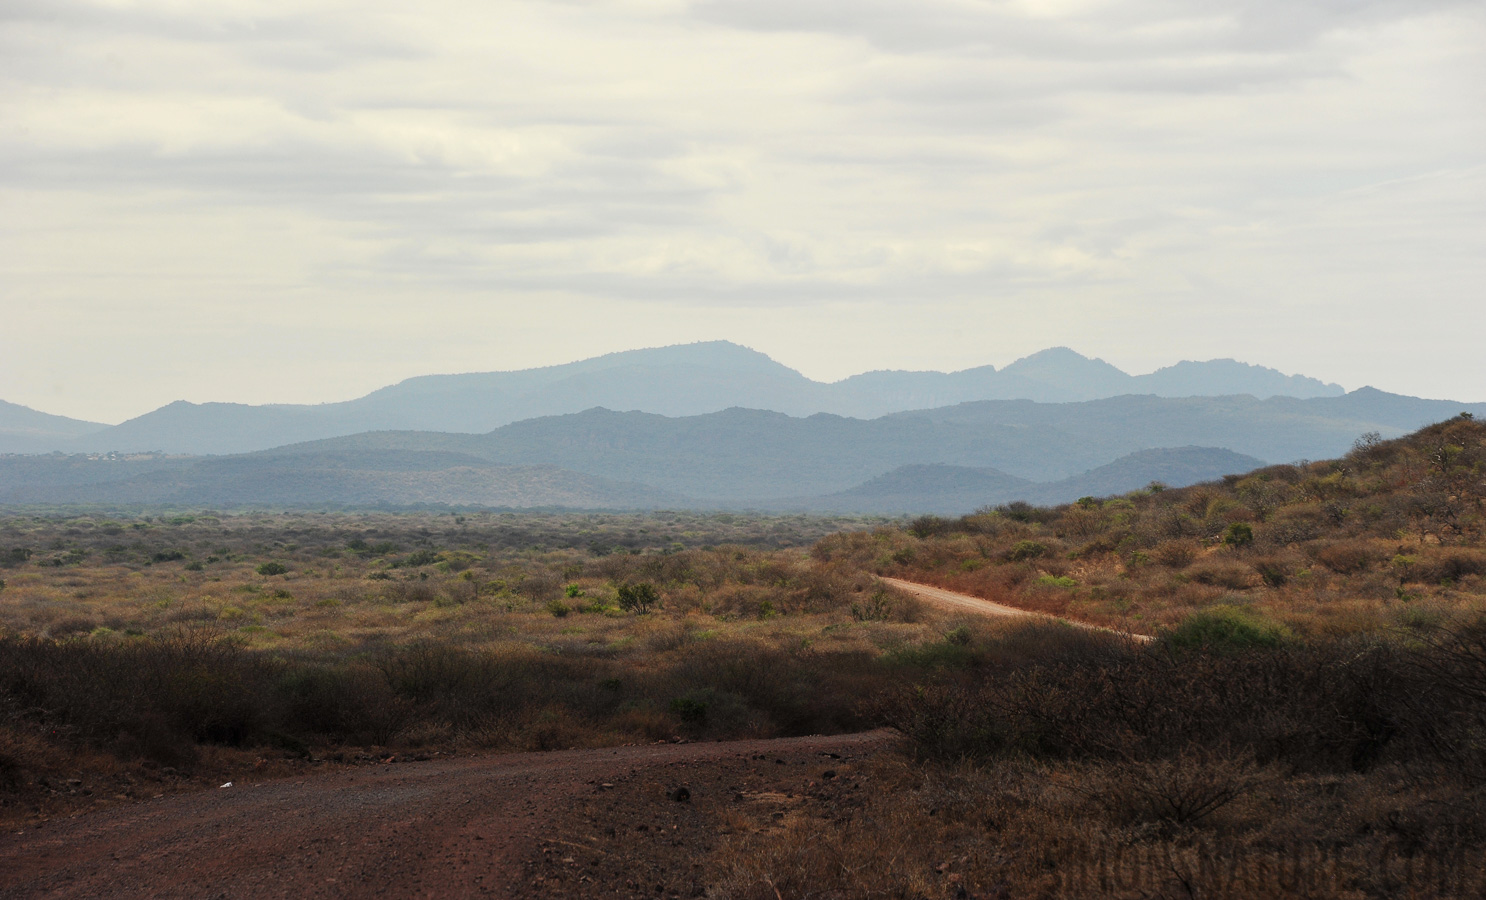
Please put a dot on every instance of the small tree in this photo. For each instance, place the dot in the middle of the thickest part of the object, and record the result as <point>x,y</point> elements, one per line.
<point>638,598</point>
<point>1240,534</point>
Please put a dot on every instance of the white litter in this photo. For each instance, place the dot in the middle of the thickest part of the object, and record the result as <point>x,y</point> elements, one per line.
<point>228,784</point>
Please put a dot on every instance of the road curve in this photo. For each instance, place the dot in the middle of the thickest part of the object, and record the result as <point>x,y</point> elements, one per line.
<point>447,828</point>
<point>951,600</point>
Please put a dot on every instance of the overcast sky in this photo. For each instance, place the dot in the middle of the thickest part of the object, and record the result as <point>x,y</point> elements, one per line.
<point>303,201</point>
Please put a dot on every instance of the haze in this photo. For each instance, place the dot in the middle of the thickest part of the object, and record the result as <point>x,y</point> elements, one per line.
<point>301,202</point>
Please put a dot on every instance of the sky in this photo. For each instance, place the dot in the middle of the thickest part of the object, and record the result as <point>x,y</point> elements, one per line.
<point>303,201</point>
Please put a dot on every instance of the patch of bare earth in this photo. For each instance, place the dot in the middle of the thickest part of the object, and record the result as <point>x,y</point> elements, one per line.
<point>653,832</point>
<point>519,825</point>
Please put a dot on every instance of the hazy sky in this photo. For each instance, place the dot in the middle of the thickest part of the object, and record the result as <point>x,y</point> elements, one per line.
<point>302,201</point>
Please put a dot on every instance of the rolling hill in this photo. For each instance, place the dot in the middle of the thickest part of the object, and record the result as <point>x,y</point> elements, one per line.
<point>678,381</point>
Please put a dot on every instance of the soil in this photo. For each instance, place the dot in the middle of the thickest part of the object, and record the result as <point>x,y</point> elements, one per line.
<point>966,603</point>
<point>616,822</point>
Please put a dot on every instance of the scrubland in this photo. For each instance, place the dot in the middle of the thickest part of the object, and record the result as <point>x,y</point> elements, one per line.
<point>1309,722</point>
<point>1388,536</point>
<point>203,642</point>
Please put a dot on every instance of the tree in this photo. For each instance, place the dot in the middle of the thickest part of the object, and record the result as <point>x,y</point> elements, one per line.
<point>638,598</point>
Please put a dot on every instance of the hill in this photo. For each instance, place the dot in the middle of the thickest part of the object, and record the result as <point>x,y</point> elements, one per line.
<point>678,381</point>
<point>368,479</point>
<point>956,490</point>
<point>1389,530</point>
<point>25,430</point>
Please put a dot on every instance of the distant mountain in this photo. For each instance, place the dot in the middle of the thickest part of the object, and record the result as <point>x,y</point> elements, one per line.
<point>24,430</point>
<point>957,490</point>
<point>678,381</point>
<point>368,479</point>
<point>949,459</point>
<point>1172,466</point>
<point>741,456</point>
<point>947,490</point>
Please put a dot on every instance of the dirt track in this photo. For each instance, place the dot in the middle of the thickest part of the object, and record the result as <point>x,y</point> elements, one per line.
<point>949,599</point>
<point>451,828</point>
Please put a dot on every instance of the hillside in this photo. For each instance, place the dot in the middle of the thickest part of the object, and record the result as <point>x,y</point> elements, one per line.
<point>1392,530</point>
<point>370,479</point>
<point>25,430</point>
<point>677,381</point>
<point>956,490</point>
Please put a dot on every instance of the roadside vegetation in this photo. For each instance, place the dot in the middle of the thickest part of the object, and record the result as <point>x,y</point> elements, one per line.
<point>1308,722</point>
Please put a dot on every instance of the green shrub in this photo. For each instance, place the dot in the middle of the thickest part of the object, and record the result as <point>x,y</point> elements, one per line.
<point>691,709</point>
<point>638,598</point>
<point>271,568</point>
<point>424,557</point>
<point>1239,534</point>
<point>1225,629</point>
<point>558,608</point>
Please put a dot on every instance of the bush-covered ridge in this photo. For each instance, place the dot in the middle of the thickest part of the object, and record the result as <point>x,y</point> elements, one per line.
<point>1389,534</point>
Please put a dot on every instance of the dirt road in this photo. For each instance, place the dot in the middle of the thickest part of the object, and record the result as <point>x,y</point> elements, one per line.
<point>951,600</point>
<point>449,828</point>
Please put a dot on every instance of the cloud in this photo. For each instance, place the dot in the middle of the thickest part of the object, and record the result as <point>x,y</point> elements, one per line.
<point>1143,161</point>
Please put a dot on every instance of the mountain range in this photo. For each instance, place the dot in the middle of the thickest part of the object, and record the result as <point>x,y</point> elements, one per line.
<point>678,381</point>
<point>711,425</point>
<point>950,459</point>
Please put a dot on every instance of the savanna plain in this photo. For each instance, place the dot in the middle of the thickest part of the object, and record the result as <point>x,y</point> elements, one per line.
<point>1309,720</point>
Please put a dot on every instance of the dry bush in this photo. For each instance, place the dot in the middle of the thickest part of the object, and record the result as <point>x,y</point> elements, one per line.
<point>1177,554</point>
<point>1182,790</point>
<point>1229,575</point>
<point>1347,557</point>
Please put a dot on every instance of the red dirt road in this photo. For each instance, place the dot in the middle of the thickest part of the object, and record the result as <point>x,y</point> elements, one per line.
<point>448,828</point>
<point>966,603</point>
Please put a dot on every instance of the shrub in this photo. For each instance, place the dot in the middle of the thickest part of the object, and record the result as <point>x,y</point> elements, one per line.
<point>1176,554</point>
<point>638,598</point>
<point>558,608</point>
<point>1273,572</point>
<point>271,568</point>
<point>1239,534</point>
<point>930,526</point>
<point>422,557</point>
<point>1025,550</point>
<point>1347,557</point>
<point>1225,629</point>
<point>1225,575</point>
